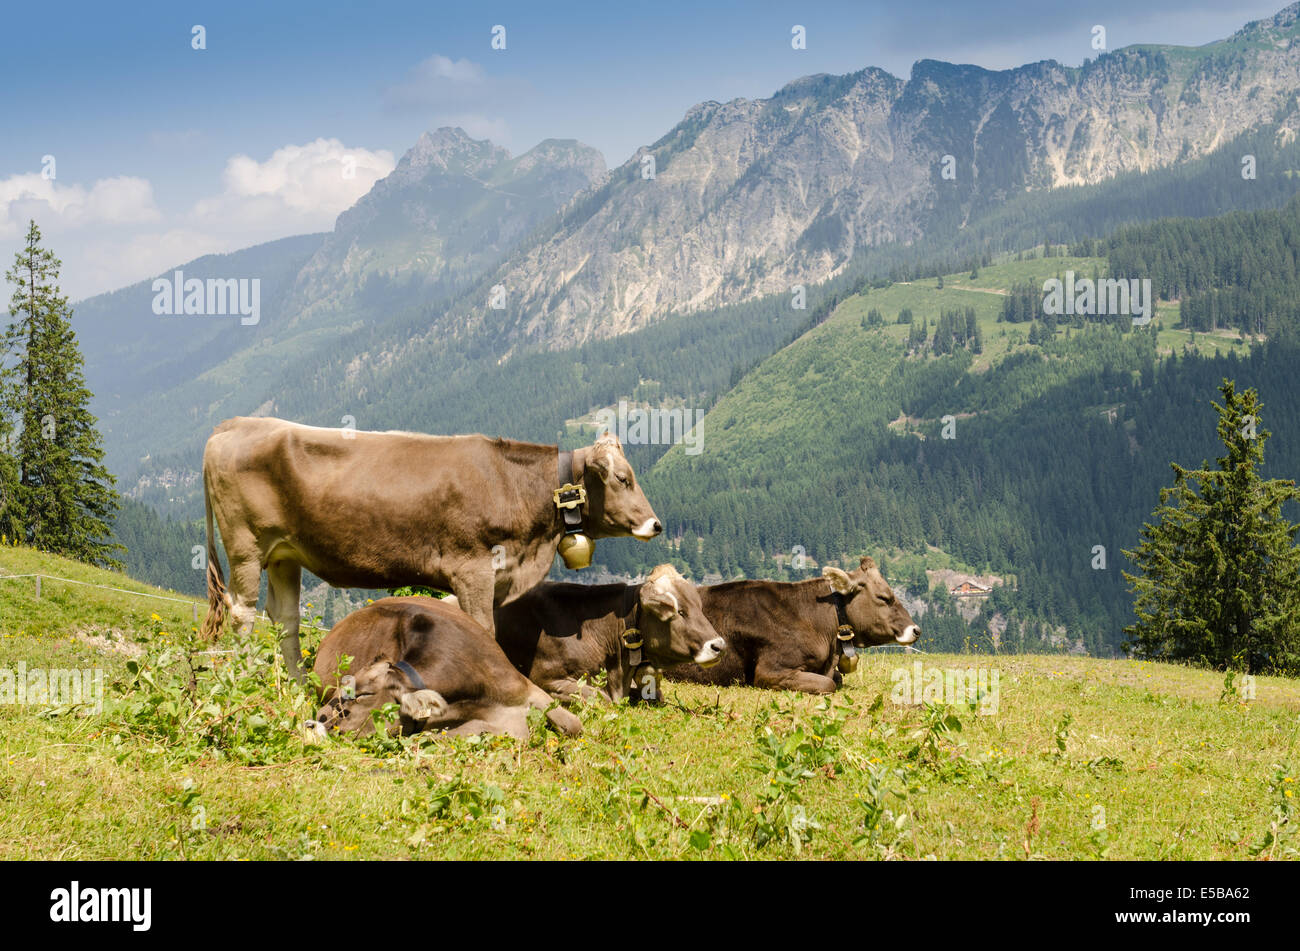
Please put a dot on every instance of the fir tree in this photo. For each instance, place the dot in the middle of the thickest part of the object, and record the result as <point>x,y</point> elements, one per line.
<point>1219,580</point>
<point>63,497</point>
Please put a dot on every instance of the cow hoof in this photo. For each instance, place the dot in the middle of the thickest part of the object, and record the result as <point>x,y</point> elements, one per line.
<point>564,721</point>
<point>423,705</point>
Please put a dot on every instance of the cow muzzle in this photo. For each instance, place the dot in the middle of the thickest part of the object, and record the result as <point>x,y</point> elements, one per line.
<point>647,529</point>
<point>909,634</point>
<point>711,652</point>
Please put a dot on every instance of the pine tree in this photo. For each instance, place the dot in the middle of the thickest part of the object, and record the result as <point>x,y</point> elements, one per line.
<point>1219,580</point>
<point>10,523</point>
<point>63,496</point>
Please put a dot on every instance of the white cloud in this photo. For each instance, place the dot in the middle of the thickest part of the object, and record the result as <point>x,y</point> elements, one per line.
<point>111,233</point>
<point>440,82</point>
<point>308,185</point>
<point>112,201</point>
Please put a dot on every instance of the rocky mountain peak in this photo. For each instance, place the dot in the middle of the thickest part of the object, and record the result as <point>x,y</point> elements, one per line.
<point>452,149</point>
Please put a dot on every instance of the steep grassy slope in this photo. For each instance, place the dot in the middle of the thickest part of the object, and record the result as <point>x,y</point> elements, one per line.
<point>1070,758</point>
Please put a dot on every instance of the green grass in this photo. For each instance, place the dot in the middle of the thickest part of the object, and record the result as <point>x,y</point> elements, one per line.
<point>73,609</point>
<point>1177,771</point>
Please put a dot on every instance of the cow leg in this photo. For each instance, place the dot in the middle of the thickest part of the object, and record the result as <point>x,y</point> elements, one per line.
<point>245,578</point>
<point>476,591</point>
<point>801,680</point>
<point>570,689</point>
<point>560,718</point>
<point>284,584</point>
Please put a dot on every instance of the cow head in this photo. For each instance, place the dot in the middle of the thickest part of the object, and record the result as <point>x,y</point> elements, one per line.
<point>349,710</point>
<point>616,506</point>
<point>876,615</point>
<point>673,624</point>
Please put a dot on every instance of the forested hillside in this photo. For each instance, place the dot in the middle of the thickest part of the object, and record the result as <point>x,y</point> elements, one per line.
<point>1061,445</point>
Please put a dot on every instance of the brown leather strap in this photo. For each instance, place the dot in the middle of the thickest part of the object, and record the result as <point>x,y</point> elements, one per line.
<point>631,612</point>
<point>573,518</point>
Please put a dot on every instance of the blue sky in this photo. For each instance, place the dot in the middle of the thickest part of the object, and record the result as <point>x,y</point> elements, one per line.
<point>163,152</point>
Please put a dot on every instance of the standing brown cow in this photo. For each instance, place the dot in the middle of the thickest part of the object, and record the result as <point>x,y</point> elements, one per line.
<point>469,514</point>
<point>787,635</point>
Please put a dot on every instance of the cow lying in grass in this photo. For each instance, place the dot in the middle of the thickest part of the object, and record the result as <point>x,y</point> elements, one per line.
<point>443,668</point>
<point>800,635</point>
<point>558,634</point>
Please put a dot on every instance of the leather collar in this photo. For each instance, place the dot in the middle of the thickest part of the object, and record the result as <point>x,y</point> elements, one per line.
<point>411,674</point>
<point>571,518</point>
<point>844,632</point>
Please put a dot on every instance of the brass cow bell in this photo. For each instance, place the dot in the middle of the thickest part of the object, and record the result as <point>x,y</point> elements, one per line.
<point>848,660</point>
<point>576,550</point>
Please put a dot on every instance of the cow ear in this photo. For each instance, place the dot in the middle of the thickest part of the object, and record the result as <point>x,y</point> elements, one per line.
<point>374,678</point>
<point>841,583</point>
<point>659,600</point>
<point>867,564</point>
<point>599,461</point>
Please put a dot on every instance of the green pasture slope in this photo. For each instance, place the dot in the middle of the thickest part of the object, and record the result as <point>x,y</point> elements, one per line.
<point>1082,759</point>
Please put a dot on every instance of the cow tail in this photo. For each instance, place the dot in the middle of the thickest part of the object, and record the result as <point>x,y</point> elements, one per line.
<point>217,596</point>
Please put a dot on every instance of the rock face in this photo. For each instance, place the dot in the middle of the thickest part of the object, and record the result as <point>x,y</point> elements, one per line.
<point>452,208</point>
<point>751,197</point>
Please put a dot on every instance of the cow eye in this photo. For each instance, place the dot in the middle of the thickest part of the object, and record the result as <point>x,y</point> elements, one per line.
<point>626,481</point>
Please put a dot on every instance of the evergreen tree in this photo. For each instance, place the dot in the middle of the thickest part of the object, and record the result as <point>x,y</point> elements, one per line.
<point>63,497</point>
<point>10,523</point>
<point>1219,580</point>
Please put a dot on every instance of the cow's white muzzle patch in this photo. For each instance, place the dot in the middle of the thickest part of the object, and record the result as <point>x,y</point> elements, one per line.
<point>646,530</point>
<point>908,635</point>
<point>711,652</point>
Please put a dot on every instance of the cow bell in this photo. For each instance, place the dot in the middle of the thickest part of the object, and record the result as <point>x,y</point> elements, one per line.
<point>848,660</point>
<point>576,550</point>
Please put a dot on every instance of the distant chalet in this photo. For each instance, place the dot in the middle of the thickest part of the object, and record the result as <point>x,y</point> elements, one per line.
<point>970,589</point>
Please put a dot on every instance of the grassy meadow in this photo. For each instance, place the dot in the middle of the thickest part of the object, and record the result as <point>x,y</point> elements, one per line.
<point>201,757</point>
